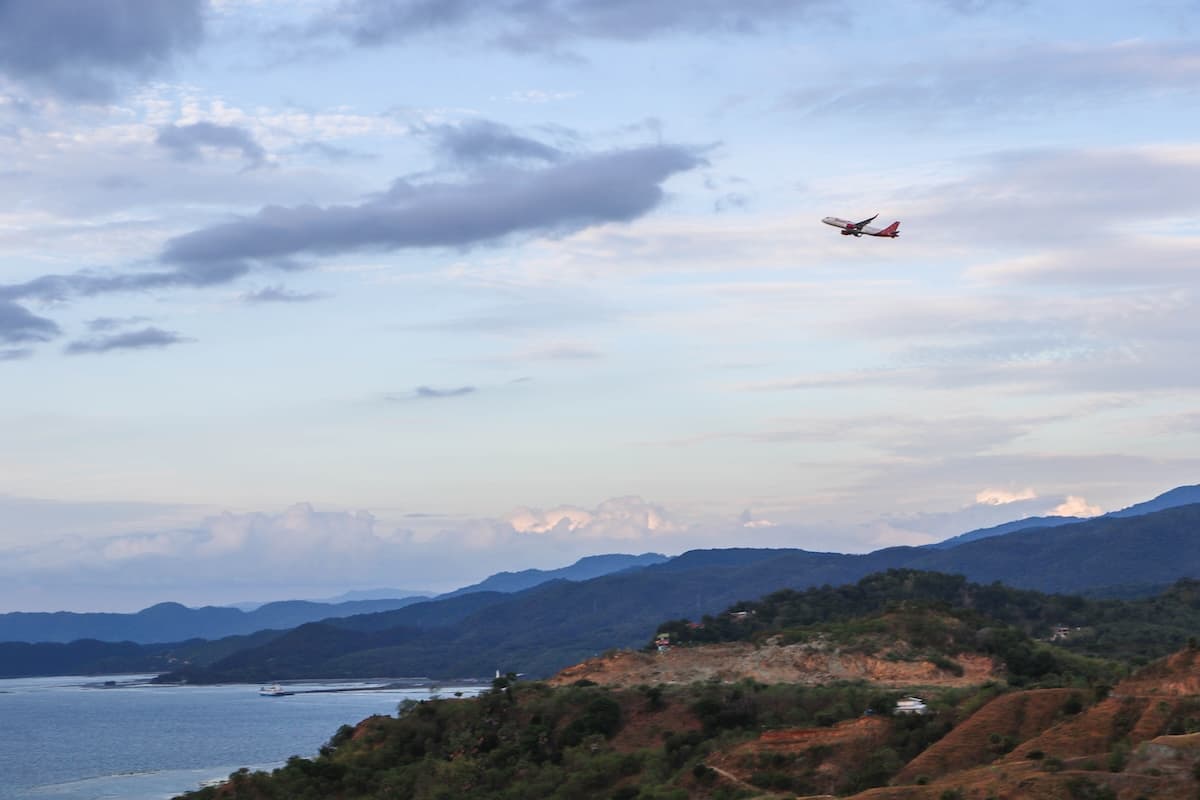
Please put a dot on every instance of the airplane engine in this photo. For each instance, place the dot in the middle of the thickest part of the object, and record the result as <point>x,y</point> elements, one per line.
<point>847,233</point>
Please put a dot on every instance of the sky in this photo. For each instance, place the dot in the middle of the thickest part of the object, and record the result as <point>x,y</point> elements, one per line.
<point>310,296</point>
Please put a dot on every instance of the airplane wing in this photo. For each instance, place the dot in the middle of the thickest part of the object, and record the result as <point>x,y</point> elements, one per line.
<point>860,225</point>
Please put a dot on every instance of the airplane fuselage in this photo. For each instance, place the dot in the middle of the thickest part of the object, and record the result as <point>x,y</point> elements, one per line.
<point>850,228</point>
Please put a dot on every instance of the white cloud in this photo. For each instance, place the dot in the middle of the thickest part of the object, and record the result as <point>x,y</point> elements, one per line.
<point>622,518</point>
<point>1076,507</point>
<point>999,497</point>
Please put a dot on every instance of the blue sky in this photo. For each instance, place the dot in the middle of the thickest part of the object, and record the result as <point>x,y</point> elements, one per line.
<point>300,297</point>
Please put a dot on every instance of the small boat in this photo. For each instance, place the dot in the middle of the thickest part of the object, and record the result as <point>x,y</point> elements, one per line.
<point>274,690</point>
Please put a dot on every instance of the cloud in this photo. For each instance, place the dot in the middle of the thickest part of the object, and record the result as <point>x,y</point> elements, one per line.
<point>304,552</point>
<point>618,186</point>
<point>430,393</point>
<point>187,142</point>
<point>82,50</point>
<point>100,324</point>
<point>544,25</point>
<point>1012,82</point>
<point>15,353</point>
<point>278,294</point>
<point>488,202</point>
<point>1000,497</point>
<point>1075,507</point>
<point>618,518</point>
<point>479,141</point>
<point>143,339</point>
<point>19,325</point>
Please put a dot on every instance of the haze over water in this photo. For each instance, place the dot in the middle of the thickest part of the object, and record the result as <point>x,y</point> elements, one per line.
<point>64,738</point>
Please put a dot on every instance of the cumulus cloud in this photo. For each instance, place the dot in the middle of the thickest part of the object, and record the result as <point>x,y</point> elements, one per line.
<point>618,518</point>
<point>302,551</point>
<point>146,338</point>
<point>82,50</point>
<point>748,520</point>
<point>188,142</point>
<point>1075,507</point>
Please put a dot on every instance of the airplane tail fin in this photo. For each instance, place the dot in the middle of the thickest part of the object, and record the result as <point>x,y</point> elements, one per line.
<point>892,230</point>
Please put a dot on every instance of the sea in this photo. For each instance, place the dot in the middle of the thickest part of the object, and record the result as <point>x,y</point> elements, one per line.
<point>121,737</point>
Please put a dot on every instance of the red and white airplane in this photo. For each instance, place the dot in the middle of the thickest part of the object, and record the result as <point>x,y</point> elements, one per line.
<point>849,228</point>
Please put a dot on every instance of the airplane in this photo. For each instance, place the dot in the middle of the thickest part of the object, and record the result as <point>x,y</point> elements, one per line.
<point>849,228</point>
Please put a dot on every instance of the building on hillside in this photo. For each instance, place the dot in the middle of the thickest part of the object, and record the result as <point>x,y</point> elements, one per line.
<point>911,705</point>
<point>663,642</point>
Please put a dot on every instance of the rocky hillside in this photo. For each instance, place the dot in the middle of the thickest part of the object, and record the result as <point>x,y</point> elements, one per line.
<point>1142,740</point>
<point>821,728</point>
<point>810,663</point>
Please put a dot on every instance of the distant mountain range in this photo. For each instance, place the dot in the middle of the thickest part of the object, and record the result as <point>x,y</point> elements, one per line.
<point>1179,496</point>
<point>174,622</point>
<point>558,622</point>
<point>542,629</point>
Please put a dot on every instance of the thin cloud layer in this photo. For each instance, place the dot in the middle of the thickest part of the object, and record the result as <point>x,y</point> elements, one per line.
<point>144,339</point>
<point>1012,82</point>
<point>82,50</point>
<point>431,393</point>
<point>542,25</point>
<point>279,294</point>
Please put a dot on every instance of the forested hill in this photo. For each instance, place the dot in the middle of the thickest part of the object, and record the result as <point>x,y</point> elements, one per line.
<point>1134,631</point>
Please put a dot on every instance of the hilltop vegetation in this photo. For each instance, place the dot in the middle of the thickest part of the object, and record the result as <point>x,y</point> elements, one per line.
<point>1050,718</point>
<point>751,740</point>
<point>526,740</point>
<point>971,617</point>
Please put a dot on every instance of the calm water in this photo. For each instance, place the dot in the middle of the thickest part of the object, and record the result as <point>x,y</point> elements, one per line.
<point>73,739</point>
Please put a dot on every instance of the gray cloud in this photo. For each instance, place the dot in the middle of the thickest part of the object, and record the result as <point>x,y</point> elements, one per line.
<point>619,186</point>
<point>18,325</point>
<point>185,141</point>
<point>335,153</point>
<point>483,140</point>
<point>279,294</point>
<point>543,25</point>
<point>15,353</point>
<point>430,393</point>
<point>500,201</point>
<point>133,340</point>
<point>100,324</point>
<point>81,50</point>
